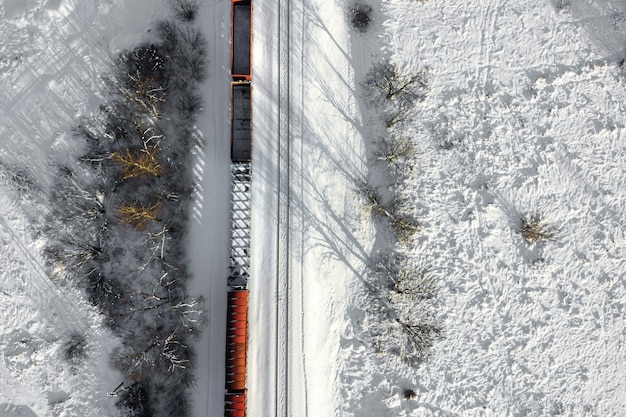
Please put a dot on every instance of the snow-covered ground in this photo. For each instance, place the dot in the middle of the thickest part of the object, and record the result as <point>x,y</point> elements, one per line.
<point>523,117</point>
<point>51,59</point>
<point>531,99</point>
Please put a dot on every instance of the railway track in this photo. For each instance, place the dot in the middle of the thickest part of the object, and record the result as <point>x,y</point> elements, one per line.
<point>291,378</point>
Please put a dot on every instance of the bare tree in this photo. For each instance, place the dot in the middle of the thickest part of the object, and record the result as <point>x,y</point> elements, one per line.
<point>393,210</point>
<point>173,351</point>
<point>395,151</point>
<point>385,83</point>
<point>147,93</point>
<point>134,400</point>
<point>191,60</point>
<point>396,115</point>
<point>191,313</point>
<point>401,308</point>
<point>404,227</point>
<point>405,329</point>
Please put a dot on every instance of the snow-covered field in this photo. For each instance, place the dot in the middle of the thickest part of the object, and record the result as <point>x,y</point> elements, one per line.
<point>523,117</point>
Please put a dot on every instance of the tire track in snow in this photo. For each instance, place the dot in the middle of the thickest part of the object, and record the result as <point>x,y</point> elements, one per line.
<point>488,28</point>
<point>301,296</point>
<point>282,278</point>
<point>297,370</point>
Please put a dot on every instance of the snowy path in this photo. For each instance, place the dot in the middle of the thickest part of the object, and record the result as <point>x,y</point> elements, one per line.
<point>291,382</point>
<point>303,256</point>
<point>277,382</point>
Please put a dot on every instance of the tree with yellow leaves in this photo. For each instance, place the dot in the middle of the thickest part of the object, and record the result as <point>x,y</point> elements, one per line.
<point>139,214</point>
<point>138,164</point>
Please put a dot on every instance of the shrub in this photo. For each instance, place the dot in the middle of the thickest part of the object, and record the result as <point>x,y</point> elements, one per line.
<point>75,349</point>
<point>401,308</point>
<point>185,10</point>
<point>134,401</point>
<point>404,278</point>
<point>360,16</point>
<point>415,284</point>
<point>535,230</point>
<point>409,394</point>
<point>404,228</point>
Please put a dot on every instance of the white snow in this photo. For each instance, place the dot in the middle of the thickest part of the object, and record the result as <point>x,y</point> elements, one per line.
<point>52,58</point>
<point>523,117</point>
<point>528,99</point>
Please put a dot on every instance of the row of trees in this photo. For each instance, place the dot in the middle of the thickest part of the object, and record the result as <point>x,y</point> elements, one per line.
<point>401,315</point>
<point>119,214</point>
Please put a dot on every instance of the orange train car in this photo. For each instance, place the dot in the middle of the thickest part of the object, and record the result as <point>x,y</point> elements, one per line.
<point>239,331</point>
<point>235,299</point>
<point>241,40</point>
<point>237,309</point>
<point>235,382</point>
<point>235,362</point>
<point>236,347</point>
<point>235,404</point>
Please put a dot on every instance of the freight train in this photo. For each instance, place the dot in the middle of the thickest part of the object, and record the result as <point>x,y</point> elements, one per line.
<point>241,157</point>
